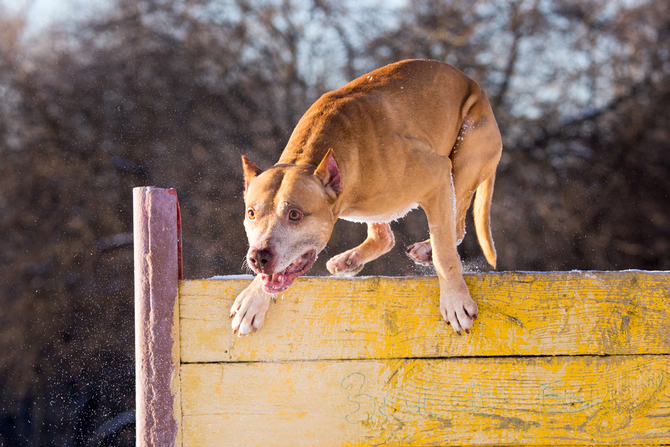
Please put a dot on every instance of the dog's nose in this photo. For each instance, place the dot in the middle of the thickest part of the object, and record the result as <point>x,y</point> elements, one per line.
<point>260,259</point>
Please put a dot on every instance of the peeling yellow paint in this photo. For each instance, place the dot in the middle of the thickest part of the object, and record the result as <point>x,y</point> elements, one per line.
<point>555,358</point>
<point>520,314</point>
<point>494,401</point>
<point>175,379</point>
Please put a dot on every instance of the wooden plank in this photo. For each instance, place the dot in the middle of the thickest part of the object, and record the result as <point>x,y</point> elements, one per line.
<point>157,269</point>
<point>473,401</point>
<point>577,313</point>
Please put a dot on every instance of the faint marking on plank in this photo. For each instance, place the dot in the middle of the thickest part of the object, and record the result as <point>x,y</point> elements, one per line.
<point>520,314</point>
<point>493,401</point>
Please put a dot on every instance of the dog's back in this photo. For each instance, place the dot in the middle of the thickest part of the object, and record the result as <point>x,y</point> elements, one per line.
<point>417,100</point>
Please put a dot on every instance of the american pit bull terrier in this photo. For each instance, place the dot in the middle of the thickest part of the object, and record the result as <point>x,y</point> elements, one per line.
<point>413,133</point>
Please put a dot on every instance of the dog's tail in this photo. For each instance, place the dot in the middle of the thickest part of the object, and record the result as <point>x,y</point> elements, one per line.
<point>482,213</point>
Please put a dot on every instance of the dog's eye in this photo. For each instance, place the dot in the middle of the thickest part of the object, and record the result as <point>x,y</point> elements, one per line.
<point>294,215</point>
<point>251,214</point>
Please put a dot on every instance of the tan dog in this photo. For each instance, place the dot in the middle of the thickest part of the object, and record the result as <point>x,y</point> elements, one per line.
<point>413,133</point>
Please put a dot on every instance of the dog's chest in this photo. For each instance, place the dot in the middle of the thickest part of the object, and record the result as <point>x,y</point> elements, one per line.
<point>363,217</point>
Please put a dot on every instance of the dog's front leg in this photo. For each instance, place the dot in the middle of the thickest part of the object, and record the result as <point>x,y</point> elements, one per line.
<point>379,241</point>
<point>249,308</point>
<point>456,305</point>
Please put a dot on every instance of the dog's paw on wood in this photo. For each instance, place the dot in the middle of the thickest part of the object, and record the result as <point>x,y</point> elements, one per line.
<point>249,309</point>
<point>421,253</point>
<point>348,263</point>
<point>458,310</point>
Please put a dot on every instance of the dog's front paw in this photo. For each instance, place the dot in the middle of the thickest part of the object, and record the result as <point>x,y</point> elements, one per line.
<point>459,310</point>
<point>348,263</point>
<point>421,253</point>
<point>248,311</point>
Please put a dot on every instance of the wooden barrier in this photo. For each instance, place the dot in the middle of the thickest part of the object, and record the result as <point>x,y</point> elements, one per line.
<point>577,358</point>
<point>157,246</point>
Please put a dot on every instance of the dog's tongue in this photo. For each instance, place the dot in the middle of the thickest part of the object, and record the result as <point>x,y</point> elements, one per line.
<point>276,283</point>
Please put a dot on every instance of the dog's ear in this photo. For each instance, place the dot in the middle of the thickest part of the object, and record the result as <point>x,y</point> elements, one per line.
<point>250,171</point>
<point>329,173</point>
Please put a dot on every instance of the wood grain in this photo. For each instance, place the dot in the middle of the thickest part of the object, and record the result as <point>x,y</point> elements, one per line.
<point>452,401</point>
<point>156,240</point>
<point>522,314</point>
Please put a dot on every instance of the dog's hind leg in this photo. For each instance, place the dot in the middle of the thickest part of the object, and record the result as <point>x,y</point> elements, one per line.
<point>475,157</point>
<point>379,241</point>
<point>421,252</point>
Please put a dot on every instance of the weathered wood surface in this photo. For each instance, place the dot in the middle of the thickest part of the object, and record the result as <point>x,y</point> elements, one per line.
<point>450,401</point>
<point>522,314</point>
<point>157,269</point>
<point>554,359</point>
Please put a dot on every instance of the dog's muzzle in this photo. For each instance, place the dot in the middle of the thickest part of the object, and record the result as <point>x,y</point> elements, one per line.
<point>279,281</point>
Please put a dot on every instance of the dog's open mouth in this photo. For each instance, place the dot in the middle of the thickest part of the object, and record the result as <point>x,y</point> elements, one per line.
<point>278,282</point>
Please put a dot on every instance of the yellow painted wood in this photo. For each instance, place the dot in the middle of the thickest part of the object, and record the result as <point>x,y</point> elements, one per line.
<point>175,375</point>
<point>577,313</point>
<point>452,401</point>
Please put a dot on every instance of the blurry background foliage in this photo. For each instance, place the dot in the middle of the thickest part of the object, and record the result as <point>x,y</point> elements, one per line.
<point>171,93</point>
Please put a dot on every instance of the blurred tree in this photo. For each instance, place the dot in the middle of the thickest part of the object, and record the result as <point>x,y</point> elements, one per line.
<point>578,89</point>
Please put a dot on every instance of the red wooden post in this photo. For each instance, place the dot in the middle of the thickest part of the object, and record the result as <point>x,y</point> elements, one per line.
<point>157,239</point>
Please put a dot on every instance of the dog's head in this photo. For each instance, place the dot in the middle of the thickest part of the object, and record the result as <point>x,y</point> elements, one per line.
<point>289,218</point>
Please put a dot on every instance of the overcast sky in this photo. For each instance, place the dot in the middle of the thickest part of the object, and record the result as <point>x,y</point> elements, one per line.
<point>41,13</point>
